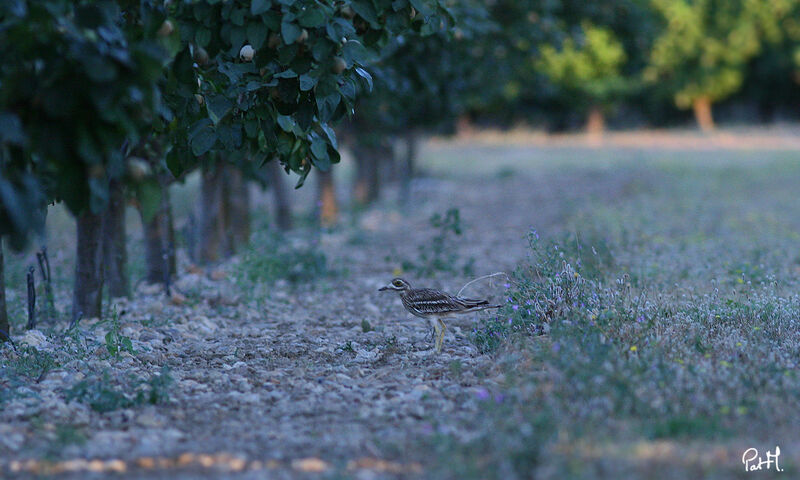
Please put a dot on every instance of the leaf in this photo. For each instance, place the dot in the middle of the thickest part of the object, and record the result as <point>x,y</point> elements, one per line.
<point>202,36</point>
<point>330,134</point>
<point>354,52</point>
<point>326,106</point>
<point>366,9</point>
<point>111,345</point>
<point>288,73</point>
<point>365,75</point>
<point>286,123</point>
<point>289,32</point>
<point>302,179</point>
<point>320,151</point>
<point>307,82</point>
<point>218,106</point>
<point>312,17</point>
<point>421,6</point>
<point>258,7</point>
<point>203,140</point>
<point>256,34</point>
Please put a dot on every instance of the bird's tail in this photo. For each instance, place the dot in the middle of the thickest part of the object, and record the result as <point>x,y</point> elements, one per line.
<point>477,305</point>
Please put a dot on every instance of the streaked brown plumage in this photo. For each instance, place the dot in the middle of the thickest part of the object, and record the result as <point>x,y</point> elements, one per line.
<point>434,305</point>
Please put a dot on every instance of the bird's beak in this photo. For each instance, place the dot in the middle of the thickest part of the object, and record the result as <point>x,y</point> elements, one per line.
<point>383,288</point>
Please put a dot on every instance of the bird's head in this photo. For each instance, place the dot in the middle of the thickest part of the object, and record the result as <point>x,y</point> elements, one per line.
<point>398,284</point>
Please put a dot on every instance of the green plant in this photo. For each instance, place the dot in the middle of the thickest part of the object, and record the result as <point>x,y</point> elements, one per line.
<point>116,342</point>
<point>104,393</point>
<point>32,363</point>
<point>442,253</point>
<point>272,258</point>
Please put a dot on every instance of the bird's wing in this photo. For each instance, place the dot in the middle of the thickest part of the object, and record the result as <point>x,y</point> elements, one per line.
<point>428,301</point>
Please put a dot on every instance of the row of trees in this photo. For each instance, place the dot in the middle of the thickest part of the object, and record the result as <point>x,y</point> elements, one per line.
<point>530,59</point>
<point>108,102</point>
<point>101,101</point>
<point>695,53</point>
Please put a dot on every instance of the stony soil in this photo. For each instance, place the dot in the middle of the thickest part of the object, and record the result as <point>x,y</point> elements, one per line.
<point>284,379</point>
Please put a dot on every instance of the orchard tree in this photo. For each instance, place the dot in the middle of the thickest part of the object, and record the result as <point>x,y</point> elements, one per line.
<point>75,87</point>
<point>251,81</point>
<point>588,67</point>
<point>702,50</point>
<point>261,81</point>
<point>522,89</point>
<point>421,83</point>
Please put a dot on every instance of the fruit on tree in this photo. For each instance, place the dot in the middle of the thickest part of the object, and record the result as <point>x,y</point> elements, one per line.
<point>166,29</point>
<point>339,65</point>
<point>247,52</point>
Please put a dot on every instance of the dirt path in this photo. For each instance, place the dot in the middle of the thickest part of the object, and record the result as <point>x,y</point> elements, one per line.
<point>264,381</point>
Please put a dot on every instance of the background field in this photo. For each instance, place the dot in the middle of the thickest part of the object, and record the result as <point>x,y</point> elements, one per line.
<point>664,279</point>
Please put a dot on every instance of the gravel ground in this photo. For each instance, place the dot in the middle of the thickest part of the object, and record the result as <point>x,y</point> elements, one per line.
<point>284,379</point>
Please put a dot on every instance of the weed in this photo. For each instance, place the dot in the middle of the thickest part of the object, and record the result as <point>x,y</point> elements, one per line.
<point>365,326</point>
<point>32,363</point>
<point>104,393</point>
<point>441,255</point>
<point>116,342</point>
<point>274,258</point>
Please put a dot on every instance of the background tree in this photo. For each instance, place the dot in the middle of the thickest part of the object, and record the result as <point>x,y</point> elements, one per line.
<point>421,83</point>
<point>589,69</point>
<point>77,86</point>
<point>702,49</point>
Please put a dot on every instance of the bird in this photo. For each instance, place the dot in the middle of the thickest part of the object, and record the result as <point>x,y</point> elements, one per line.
<point>434,305</point>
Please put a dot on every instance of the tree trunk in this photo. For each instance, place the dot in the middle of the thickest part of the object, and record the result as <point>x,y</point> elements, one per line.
<point>464,127</point>
<point>115,254</point>
<point>5,330</point>
<point>412,147</point>
<point>703,114</point>
<point>283,211</point>
<point>237,197</point>
<point>87,300</point>
<point>595,124</point>
<point>326,196</point>
<point>368,160</point>
<point>159,239</point>
<point>212,238</point>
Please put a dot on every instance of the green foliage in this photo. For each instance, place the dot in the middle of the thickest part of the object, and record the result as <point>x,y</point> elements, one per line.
<point>589,66</point>
<point>104,393</point>
<point>704,46</point>
<point>255,80</point>
<point>116,342</point>
<point>426,81</point>
<point>274,258</point>
<point>267,79</point>
<point>365,326</point>
<point>524,27</point>
<point>440,255</point>
<point>78,80</point>
<point>33,363</point>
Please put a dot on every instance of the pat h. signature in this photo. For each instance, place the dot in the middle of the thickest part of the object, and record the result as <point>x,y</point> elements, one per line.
<point>753,461</point>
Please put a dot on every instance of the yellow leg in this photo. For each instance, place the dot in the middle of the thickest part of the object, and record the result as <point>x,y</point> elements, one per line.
<point>440,336</point>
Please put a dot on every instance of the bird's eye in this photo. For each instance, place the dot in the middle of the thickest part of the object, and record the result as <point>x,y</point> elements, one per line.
<point>397,283</point>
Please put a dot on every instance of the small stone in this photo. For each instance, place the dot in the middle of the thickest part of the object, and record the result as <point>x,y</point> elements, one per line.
<point>217,275</point>
<point>35,339</point>
<point>149,419</point>
<point>177,298</point>
<point>311,465</point>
